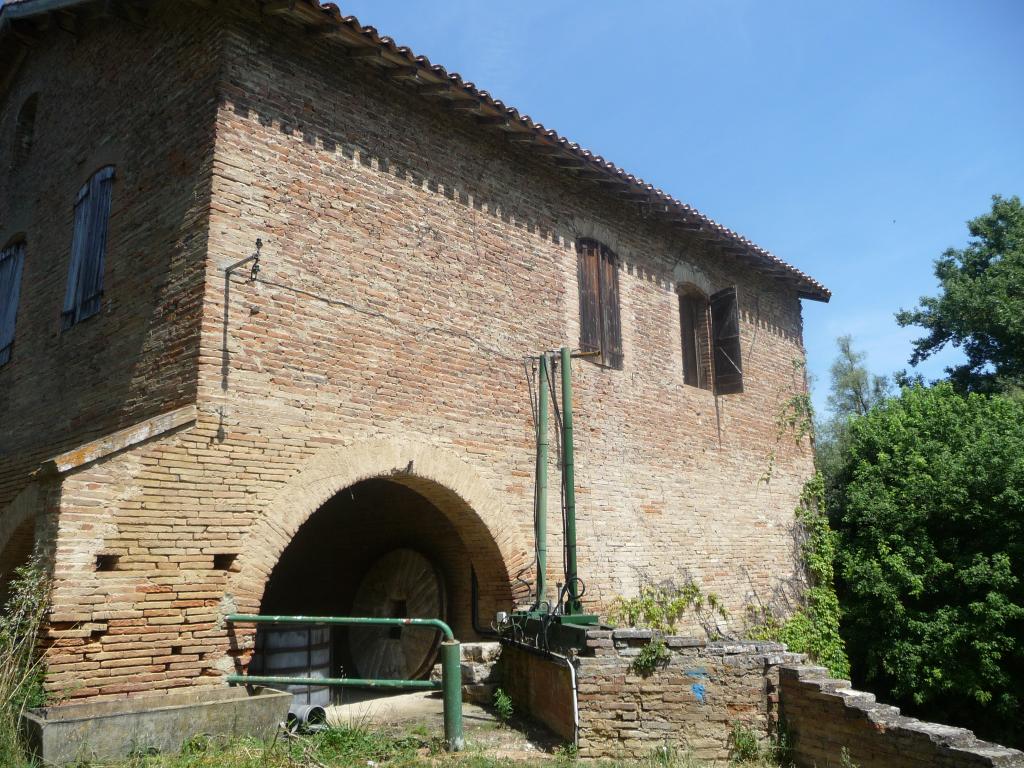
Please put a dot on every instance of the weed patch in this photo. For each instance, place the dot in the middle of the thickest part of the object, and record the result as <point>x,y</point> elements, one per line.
<point>21,669</point>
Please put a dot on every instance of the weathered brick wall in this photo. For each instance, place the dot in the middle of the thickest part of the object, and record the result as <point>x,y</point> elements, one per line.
<point>140,97</point>
<point>824,716</point>
<point>411,262</point>
<point>691,703</point>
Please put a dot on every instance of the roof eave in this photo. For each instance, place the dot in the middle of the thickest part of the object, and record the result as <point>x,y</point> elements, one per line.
<point>435,81</point>
<point>27,9</point>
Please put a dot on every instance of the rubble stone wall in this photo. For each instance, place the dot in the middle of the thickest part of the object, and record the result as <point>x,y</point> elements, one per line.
<point>704,690</point>
<point>690,703</point>
<point>825,717</point>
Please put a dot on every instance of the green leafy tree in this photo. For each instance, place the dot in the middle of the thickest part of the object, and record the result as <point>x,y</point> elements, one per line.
<point>853,391</point>
<point>929,507</point>
<point>981,304</point>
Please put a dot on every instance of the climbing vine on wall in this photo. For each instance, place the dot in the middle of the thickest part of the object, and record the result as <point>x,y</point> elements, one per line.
<point>814,627</point>
<point>794,417</point>
<point>650,657</point>
<point>661,606</point>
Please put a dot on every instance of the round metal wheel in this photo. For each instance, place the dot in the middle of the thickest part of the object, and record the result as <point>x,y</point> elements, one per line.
<point>401,584</point>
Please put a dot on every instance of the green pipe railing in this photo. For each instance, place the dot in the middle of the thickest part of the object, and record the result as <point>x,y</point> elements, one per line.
<point>451,666</point>
<point>250,618</point>
<point>339,682</point>
<point>574,606</point>
<point>541,510</point>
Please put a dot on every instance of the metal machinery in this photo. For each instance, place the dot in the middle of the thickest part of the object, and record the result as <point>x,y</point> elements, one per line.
<point>559,626</point>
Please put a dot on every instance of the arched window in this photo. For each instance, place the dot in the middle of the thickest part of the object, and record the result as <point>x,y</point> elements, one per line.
<point>12,258</point>
<point>600,327</point>
<point>694,321</point>
<point>24,131</point>
<point>88,246</point>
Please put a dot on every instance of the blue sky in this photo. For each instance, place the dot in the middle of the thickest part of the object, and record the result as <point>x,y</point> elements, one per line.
<point>851,139</point>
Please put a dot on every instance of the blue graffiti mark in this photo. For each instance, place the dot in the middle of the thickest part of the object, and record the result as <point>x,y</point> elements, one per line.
<point>698,691</point>
<point>699,673</point>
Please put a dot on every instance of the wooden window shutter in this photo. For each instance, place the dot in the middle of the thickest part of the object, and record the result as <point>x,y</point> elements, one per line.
<point>588,272</point>
<point>88,247</point>
<point>12,259</point>
<point>611,323</point>
<point>688,325</point>
<point>725,342</point>
<point>78,244</point>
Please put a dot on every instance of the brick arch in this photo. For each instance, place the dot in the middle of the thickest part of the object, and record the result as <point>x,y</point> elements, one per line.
<point>685,273</point>
<point>450,484</point>
<point>18,533</point>
<point>22,510</point>
<point>586,229</point>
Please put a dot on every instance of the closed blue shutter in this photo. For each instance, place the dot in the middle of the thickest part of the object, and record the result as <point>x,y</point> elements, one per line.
<point>88,246</point>
<point>11,260</point>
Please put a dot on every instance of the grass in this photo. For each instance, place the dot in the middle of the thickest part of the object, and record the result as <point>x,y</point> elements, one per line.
<point>359,746</point>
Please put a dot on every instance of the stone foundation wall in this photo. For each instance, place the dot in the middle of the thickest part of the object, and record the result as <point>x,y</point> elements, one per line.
<point>691,702</point>
<point>824,716</point>
<point>694,699</point>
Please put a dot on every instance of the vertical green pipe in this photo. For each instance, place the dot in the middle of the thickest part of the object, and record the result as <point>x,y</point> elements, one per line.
<point>541,511</point>
<point>451,685</point>
<point>569,479</point>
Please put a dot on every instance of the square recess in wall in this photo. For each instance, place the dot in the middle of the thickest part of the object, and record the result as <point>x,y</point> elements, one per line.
<point>224,561</point>
<point>107,562</point>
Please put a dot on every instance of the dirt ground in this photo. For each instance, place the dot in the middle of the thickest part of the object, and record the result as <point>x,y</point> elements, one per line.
<point>422,713</point>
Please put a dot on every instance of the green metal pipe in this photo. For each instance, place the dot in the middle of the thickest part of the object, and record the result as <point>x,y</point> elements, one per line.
<point>569,481</point>
<point>451,682</point>
<point>247,618</point>
<point>339,682</point>
<point>541,511</point>
<point>451,666</point>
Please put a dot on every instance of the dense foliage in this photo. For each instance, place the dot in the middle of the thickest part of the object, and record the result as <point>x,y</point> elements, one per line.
<point>929,506</point>
<point>981,305</point>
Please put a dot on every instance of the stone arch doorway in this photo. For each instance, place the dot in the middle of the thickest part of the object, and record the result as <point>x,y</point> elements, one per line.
<point>308,553</point>
<point>332,567</point>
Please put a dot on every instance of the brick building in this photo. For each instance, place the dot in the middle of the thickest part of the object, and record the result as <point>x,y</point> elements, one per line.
<point>181,438</point>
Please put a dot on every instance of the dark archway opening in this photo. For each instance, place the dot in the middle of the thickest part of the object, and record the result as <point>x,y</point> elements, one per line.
<point>333,564</point>
<point>15,553</point>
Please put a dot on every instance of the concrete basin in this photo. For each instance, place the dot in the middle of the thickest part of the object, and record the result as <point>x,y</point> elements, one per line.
<point>109,730</point>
